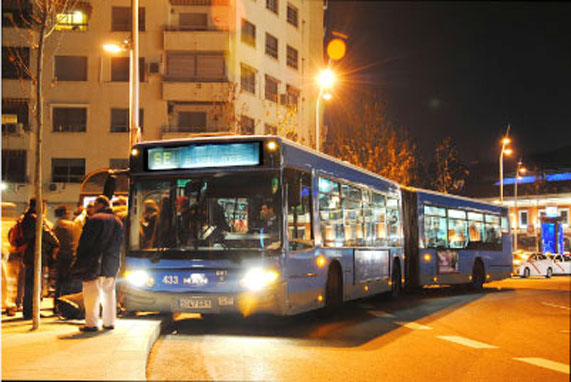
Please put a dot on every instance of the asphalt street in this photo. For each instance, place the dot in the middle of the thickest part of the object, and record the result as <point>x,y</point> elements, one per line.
<point>517,330</point>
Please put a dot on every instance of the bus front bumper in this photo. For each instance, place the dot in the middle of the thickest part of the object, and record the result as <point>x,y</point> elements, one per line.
<point>246,303</point>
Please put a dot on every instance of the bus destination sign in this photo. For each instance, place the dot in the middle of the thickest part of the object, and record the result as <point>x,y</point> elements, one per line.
<point>204,156</point>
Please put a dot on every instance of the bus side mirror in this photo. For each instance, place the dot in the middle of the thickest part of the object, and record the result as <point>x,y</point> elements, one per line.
<point>109,186</point>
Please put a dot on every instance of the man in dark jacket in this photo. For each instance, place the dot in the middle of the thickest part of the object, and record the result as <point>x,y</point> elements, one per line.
<point>99,252</point>
<point>49,244</point>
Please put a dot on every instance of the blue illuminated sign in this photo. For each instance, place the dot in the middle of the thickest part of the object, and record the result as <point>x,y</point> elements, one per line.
<point>204,156</point>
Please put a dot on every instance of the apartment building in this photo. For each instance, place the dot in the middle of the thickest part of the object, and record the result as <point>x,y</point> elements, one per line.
<point>245,66</point>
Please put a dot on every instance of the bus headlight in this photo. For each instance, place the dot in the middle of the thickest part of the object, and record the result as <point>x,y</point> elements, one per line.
<point>138,278</point>
<point>258,279</point>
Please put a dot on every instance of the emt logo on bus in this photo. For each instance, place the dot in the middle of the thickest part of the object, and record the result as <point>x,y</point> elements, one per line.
<point>203,156</point>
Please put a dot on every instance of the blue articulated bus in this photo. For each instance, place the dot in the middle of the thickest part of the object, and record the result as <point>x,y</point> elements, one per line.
<point>259,224</point>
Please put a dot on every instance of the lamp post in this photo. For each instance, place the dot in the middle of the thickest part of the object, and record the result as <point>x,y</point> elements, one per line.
<point>131,45</point>
<point>519,170</point>
<point>507,151</point>
<point>325,80</point>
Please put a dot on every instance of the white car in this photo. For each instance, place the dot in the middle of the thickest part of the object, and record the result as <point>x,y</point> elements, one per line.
<point>561,264</point>
<point>537,264</point>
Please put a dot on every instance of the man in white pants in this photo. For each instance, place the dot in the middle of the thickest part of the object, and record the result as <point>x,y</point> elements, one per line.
<point>98,254</point>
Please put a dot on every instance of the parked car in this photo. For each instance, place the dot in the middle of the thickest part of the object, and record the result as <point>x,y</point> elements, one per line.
<point>537,264</point>
<point>561,264</point>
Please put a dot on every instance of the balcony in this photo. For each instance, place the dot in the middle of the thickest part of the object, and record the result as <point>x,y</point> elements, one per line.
<point>196,40</point>
<point>196,91</point>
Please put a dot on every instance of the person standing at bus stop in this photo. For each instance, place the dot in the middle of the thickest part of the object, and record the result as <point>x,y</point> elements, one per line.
<point>98,260</point>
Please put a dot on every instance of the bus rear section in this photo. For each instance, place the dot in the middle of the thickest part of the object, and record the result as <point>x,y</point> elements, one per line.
<point>456,240</point>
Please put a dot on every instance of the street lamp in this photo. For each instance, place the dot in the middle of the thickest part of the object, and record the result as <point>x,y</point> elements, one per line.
<point>325,79</point>
<point>507,151</point>
<point>520,170</point>
<point>132,46</point>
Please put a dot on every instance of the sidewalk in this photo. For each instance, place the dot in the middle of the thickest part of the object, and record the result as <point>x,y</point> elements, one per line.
<point>59,351</point>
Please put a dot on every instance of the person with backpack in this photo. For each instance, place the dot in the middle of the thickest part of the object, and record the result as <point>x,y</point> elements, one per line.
<point>50,243</point>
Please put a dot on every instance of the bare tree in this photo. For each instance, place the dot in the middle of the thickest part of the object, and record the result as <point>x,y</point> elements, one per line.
<point>36,24</point>
<point>365,137</point>
<point>450,173</point>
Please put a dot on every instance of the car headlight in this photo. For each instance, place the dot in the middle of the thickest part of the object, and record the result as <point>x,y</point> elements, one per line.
<point>257,279</point>
<point>139,278</point>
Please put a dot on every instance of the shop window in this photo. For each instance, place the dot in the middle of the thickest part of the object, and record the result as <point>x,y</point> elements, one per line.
<point>69,119</point>
<point>70,68</point>
<point>68,170</point>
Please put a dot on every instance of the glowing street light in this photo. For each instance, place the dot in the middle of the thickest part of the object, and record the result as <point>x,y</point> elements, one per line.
<point>325,79</point>
<point>507,151</point>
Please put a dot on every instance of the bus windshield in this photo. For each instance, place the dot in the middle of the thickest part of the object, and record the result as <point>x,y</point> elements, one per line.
<point>201,213</point>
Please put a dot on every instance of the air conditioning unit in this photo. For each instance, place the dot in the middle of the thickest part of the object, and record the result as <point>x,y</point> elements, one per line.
<point>154,68</point>
<point>12,128</point>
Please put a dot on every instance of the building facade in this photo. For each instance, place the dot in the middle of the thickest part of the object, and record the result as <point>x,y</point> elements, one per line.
<point>243,66</point>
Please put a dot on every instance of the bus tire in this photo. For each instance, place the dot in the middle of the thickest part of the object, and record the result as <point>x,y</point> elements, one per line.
<point>549,273</point>
<point>396,286</point>
<point>526,273</point>
<point>333,291</point>
<point>478,276</point>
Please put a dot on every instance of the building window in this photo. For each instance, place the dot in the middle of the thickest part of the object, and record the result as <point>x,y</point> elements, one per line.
<point>271,92</point>
<point>523,218</point>
<point>75,20</point>
<point>118,163</point>
<point>272,5</point>
<point>14,115</point>
<point>564,213</point>
<point>247,125</point>
<point>15,61</point>
<point>292,15</point>
<point>68,170</point>
<point>191,121</point>
<point>248,79</point>
<point>292,95</point>
<point>291,57</point>
<point>121,19</point>
<point>14,164</point>
<point>271,46</point>
<point>192,21</point>
<point>120,69</point>
<point>192,66</point>
<point>120,120</point>
<point>248,33</point>
<point>270,129</point>
<point>70,68</point>
<point>69,119</point>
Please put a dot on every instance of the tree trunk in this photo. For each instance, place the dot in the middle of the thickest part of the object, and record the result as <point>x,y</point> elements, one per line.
<point>38,172</point>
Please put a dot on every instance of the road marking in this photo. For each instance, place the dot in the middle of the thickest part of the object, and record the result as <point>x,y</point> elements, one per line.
<point>467,342</point>
<point>414,326</point>
<point>381,313</point>
<point>556,306</point>
<point>552,365</point>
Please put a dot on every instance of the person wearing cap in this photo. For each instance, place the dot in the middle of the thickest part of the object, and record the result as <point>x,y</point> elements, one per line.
<point>99,257</point>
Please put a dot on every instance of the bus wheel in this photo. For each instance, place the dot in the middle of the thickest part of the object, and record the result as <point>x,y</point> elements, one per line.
<point>526,273</point>
<point>478,276</point>
<point>333,291</point>
<point>396,286</point>
<point>549,273</point>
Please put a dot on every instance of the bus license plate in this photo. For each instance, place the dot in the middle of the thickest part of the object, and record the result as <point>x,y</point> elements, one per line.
<point>201,303</point>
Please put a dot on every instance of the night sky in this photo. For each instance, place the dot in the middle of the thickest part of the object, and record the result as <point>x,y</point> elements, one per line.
<point>463,69</point>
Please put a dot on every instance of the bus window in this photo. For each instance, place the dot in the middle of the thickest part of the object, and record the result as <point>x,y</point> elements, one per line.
<point>475,227</point>
<point>352,215</point>
<point>393,220</point>
<point>492,228</point>
<point>379,218</point>
<point>435,227</point>
<point>300,231</point>
<point>457,228</point>
<point>330,213</point>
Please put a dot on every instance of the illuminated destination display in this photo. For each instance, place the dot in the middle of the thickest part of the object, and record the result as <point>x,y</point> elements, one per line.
<point>204,156</point>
